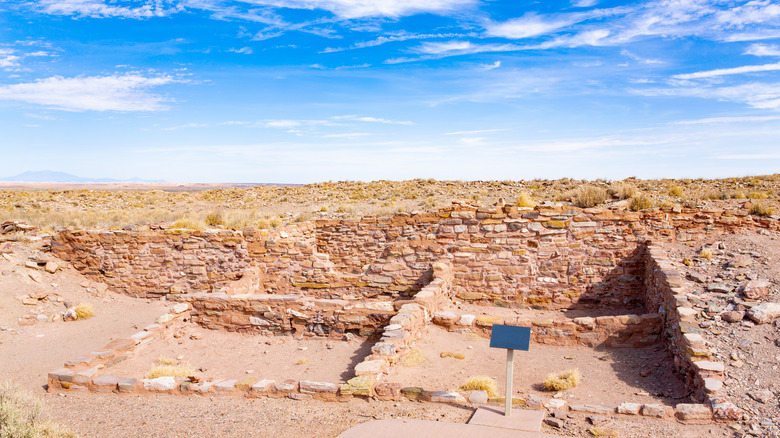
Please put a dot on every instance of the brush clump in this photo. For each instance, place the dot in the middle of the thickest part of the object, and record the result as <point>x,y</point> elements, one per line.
<point>562,380</point>
<point>84,310</point>
<point>480,383</point>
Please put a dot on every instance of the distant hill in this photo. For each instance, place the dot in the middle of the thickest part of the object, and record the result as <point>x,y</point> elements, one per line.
<point>62,177</point>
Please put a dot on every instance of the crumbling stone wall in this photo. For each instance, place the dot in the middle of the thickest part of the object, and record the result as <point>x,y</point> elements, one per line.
<point>550,256</point>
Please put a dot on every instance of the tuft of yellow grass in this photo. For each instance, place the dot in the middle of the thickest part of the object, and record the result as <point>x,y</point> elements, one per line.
<point>414,358</point>
<point>452,354</point>
<point>170,371</point>
<point>760,210</point>
<point>480,383</point>
<point>525,200</point>
<point>676,191</point>
<point>21,415</point>
<point>640,202</point>
<point>590,196</point>
<point>188,224</point>
<point>84,310</point>
<point>562,380</point>
<point>706,253</point>
<point>165,360</point>
<point>301,361</point>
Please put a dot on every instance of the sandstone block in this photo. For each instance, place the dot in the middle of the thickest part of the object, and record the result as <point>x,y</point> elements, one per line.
<point>63,375</point>
<point>388,391</point>
<point>732,316</point>
<point>693,413</point>
<point>764,313</point>
<point>447,397</point>
<point>370,367</point>
<point>160,384</point>
<point>84,377</point>
<point>315,387</point>
<point>709,366</point>
<point>361,385</point>
<point>726,411</point>
<point>126,385</point>
<point>629,408</point>
<point>106,382</point>
<point>592,409</point>
<point>262,386</point>
<point>653,410</point>
<point>478,397</point>
<point>712,386</point>
<point>226,385</point>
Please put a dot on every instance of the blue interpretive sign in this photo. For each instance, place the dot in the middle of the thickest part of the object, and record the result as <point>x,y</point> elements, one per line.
<point>510,337</point>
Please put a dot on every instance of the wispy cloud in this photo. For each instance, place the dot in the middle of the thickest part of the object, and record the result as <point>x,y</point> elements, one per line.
<point>729,71</point>
<point>436,50</point>
<point>98,8</point>
<point>531,25</point>
<point>756,11</point>
<point>477,131</point>
<point>242,50</point>
<point>721,120</point>
<point>349,9</point>
<point>372,120</point>
<point>130,92</point>
<point>396,38</point>
<point>763,50</point>
<point>584,3</point>
<point>748,157</point>
<point>757,95</point>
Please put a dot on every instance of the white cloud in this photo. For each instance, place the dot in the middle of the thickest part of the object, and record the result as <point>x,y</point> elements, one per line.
<point>243,50</point>
<point>128,92</point>
<point>395,38</point>
<point>637,58</point>
<point>756,11</point>
<point>98,8</point>
<point>748,157</point>
<point>584,3</point>
<point>348,135</point>
<point>349,9</point>
<point>492,66</point>
<point>436,50</point>
<point>531,25</point>
<point>477,131</point>
<point>372,120</point>
<point>729,71</point>
<point>721,120</point>
<point>763,50</point>
<point>757,95</point>
<point>8,61</point>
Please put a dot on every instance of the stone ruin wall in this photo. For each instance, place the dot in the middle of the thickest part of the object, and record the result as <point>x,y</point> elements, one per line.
<point>555,257</point>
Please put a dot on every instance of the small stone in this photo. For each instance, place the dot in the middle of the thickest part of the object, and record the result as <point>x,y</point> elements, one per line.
<point>756,289</point>
<point>447,397</point>
<point>762,396</point>
<point>51,267</point>
<point>629,408</point>
<point>712,386</point>
<point>160,384</point>
<point>764,313</point>
<point>180,308</point>
<point>732,316</point>
<point>653,410</point>
<point>555,403</point>
<point>596,419</point>
<point>554,422</point>
<point>697,277</point>
<point>693,413</point>
<point>478,397</point>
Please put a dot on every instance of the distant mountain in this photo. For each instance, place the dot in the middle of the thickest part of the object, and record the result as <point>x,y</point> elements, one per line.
<point>62,177</point>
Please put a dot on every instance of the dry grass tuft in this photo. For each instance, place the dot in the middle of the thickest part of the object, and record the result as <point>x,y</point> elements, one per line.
<point>170,371</point>
<point>414,358</point>
<point>562,380</point>
<point>640,202</point>
<point>676,191</point>
<point>525,200</point>
<point>302,361</point>
<point>706,253</point>
<point>760,210</point>
<point>214,219</point>
<point>165,360</point>
<point>590,196</point>
<point>188,224</point>
<point>21,416</point>
<point>481,383</point>
<point>84,310</point>
<point>452,354</point>
<point>623,190</point>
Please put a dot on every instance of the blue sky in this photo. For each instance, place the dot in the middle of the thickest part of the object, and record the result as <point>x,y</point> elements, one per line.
<point>301,91</point>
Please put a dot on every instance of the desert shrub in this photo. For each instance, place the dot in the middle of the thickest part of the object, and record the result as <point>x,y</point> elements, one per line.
<point>676,191</point>
<point>640,202</point>
<point>590,196</point>
<point>760,210</point>
<point>623,190</point>
<point>706,253</point>
<point>302,361</point>
<point>170,371</point>
<point>84,310</point>
<point>452,354</point>
<point>525,200</point>
<point>414,358</point>
<point>165,360</point>
<point>215,218</point>
<point>481,383</point>
<point>188,224</point>
<point>758,195</point>
<point>562,380</point>
<point>21,416</point>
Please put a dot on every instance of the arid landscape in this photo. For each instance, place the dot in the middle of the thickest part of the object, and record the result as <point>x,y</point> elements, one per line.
<point>304,310</point>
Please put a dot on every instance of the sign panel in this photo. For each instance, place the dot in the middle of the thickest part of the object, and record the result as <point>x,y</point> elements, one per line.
<point>510,337</point>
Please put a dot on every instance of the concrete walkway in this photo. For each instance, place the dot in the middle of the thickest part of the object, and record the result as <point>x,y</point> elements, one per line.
<point>410,428</point>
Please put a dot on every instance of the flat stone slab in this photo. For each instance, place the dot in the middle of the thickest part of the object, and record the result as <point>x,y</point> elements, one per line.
<point>519,420</point>
<point>422,428</point>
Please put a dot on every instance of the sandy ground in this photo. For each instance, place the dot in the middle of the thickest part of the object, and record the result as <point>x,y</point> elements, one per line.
<point>224,355</point>
<point>609,377</point>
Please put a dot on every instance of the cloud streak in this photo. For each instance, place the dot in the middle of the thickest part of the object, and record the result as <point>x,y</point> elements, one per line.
<point>129,92</point>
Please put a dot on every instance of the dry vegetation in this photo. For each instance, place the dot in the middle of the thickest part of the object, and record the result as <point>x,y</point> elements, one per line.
<point>481,383</point>
<point>272,206</point>
<point>21,416</point>
<point>563,380</point>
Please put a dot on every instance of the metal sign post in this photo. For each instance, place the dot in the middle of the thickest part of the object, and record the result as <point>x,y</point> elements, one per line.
<point>512,338</point>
